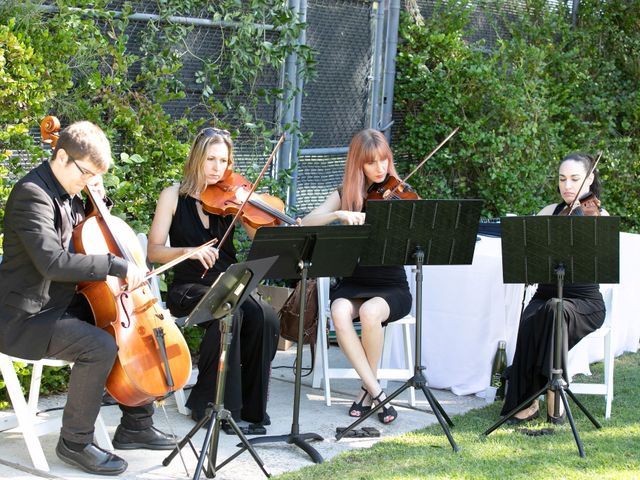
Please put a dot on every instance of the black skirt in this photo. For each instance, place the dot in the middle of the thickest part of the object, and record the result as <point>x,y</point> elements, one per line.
<point>389,283</point>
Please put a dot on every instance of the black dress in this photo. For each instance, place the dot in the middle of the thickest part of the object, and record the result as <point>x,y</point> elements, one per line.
<point>255,331</point>
<point>389,283</point>
<point>583,311</point>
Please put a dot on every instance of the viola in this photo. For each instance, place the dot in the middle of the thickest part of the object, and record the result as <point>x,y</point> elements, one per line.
<point>153,356</point>
<point>393,188</point>
<point>262,210</point>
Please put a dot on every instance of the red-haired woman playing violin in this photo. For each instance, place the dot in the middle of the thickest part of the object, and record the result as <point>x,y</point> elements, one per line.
<point>181,218</point>
<point>375,295</point>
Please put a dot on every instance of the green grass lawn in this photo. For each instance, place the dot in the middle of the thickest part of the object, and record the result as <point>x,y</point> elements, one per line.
<point>611,452</point>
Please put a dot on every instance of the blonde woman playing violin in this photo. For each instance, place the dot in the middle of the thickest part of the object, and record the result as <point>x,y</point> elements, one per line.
<point>584,309</point>
<point>181,219</point>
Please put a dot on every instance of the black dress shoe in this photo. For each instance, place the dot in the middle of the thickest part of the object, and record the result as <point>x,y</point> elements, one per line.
<point>150,438</point>
<point>92,459</point>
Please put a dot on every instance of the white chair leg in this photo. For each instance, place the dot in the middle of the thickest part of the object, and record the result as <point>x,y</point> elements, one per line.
<point>325,363</point>
<point>181,402</point>
<point>318,367</point>
<point>24,414</point>
<point>101,434</point>
<point>408,359</point>
<point>608,373</point>
<point>34,387</point>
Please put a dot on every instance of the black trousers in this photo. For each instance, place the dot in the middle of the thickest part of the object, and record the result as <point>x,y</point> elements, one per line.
<point>254,343</point>
<point>93,351</point>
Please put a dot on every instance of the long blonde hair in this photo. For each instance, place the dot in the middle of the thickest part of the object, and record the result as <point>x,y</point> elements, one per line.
<point>193,181</point>
<point>366,146</point>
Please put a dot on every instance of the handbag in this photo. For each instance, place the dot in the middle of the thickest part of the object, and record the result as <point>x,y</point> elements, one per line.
<point>290,315</point>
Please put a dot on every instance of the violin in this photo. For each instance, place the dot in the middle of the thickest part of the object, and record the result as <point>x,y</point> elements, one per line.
<point>589,206</point>
<point>393,188</point>
<point>262,210</point>
<point>153,357</point>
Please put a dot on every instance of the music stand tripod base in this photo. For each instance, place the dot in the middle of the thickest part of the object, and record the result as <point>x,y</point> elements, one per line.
<point>307,252</point>
<point>221,301</point>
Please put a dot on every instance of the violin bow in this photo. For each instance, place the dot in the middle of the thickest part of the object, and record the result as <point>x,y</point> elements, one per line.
<point>431,154</point>
<point>177,260</point>
<point>576,202</point>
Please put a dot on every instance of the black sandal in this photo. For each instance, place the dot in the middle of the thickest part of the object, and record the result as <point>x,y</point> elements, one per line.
<point>357,408</point>
<point>386,411</point>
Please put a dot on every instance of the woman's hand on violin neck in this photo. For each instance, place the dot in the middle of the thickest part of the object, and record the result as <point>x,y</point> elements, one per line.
<point>135,276</point>
<point>350,218</point>
<point>207,256</point>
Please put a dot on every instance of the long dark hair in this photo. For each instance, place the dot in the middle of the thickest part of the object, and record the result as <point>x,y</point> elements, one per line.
<point>587,160</point>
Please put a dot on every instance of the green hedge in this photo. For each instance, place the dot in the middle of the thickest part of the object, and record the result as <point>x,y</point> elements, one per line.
<point>540,92</point>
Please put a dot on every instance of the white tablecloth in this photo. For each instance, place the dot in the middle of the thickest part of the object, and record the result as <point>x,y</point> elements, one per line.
<point>467,310</point>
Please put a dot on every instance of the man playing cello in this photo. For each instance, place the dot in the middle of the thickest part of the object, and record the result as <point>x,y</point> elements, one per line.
<point>40,313</point>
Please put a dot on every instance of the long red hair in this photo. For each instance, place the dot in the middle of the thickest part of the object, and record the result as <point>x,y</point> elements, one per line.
<point>366,146</point>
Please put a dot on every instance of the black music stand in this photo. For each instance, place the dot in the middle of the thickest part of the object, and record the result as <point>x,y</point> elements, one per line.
<point>419,232</point>
<point>550,249</point>
<point>307,252</point>
<point>228,292</point>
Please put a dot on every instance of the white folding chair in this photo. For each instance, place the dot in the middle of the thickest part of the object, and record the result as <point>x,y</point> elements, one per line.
<point>322,371</point>
<point>26,418</point>
<point>154,283</point>
<point>604,334</point>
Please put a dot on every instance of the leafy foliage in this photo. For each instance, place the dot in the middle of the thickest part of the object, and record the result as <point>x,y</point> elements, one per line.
<point>544,90</point>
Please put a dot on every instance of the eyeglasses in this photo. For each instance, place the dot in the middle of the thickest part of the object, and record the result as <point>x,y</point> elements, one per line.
<point>83,171</point>
<point>212,132</point>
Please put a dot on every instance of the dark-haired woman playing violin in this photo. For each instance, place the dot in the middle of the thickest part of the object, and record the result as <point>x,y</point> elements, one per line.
<point>181,219</point>
<point>375,295</point>
<point>584,309</point>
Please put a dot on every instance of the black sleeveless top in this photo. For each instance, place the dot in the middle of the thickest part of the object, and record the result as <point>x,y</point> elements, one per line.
<point>187,230</point>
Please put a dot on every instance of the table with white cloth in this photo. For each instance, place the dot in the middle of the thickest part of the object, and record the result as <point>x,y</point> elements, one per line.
<point>467,310</point>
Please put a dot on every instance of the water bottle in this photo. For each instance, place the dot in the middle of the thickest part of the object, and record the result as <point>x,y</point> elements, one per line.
<point>499,366</point>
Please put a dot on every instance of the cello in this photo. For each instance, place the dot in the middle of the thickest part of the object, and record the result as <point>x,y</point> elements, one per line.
<point>153,357</point>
